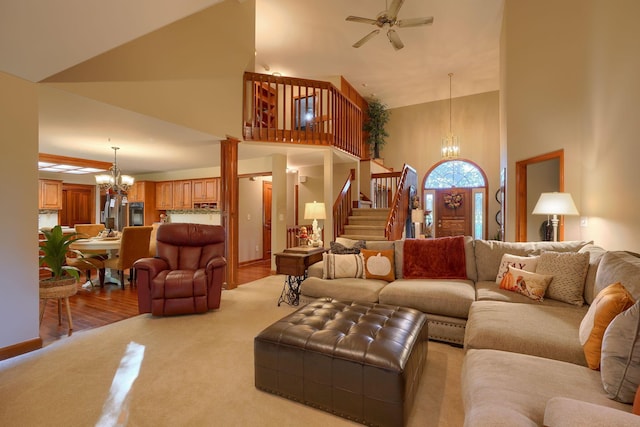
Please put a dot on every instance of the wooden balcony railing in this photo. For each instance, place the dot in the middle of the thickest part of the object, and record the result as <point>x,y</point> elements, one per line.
<point>342,207</point>
<point>398,217</point>
<point>300,111</point>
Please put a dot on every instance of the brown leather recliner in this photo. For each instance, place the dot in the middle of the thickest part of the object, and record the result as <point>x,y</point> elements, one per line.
<point>187,273</point>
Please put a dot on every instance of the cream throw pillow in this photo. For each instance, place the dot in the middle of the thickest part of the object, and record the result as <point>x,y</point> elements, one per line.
<point>337,266</point>
<point>529,284</point>
<point>611,301</point>
<point>526,263</point>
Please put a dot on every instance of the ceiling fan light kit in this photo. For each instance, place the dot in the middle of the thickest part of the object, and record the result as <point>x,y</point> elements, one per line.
<point>389,19</point>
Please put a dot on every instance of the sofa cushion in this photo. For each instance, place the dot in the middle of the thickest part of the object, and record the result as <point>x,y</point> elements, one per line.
<point>527,263</point>
<point>365,290</point>
<point>569,270</point>
<point>611,301</point>
<point>620,358</point>
<point>433,296</point>
<point>489,291</point>
<point>441,258</point>
<point>379,265</point>
<point>595,255</point>
<point>531,285</point>
<point>619,266</point>
<point>563,412</point>
<point>342,266</point>
<point>537,329</point>
<point>511,389</point>
<point>488,253</point>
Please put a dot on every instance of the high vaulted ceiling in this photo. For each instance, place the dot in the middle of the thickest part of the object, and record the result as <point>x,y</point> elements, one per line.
<point>302,38</point>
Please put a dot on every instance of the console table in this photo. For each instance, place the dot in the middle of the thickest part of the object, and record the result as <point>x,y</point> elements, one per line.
<point>294,262</point>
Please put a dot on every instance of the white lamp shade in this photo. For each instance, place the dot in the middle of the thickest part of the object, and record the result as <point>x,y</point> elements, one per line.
<point>555,204</point>
<point>314,210</point>
<point>417,215</point>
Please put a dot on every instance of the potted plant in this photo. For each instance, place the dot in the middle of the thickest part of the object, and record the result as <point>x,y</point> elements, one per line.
<point>53,258</point>
<point>377,118</point>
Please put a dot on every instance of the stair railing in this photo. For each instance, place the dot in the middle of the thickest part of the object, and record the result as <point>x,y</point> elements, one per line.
<point>399,208</point>
<point>343,206</point>
<point>383,187</point>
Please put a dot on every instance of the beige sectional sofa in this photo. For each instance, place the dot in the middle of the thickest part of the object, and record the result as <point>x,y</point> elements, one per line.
<point>524,364</point>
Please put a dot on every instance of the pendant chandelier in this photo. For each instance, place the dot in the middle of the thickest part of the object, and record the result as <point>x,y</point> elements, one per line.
<point>450,143</point>
<point>116,182</point>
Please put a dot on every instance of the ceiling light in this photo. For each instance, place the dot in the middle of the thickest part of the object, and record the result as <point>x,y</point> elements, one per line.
<point>115,182</point>
<point>450,143</point>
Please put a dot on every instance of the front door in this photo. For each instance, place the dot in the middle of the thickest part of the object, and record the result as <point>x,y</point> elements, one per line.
<point>453,212</point>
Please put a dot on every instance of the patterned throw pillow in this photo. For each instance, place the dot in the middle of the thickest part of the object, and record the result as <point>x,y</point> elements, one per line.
<point>611,301</point>
<point>338,248</point>
<point>569,270</point>
<point>526,263</point>
<point>379,265</point>
<point>620,357</point>
<point>336,266</point>
<point>524,282</point>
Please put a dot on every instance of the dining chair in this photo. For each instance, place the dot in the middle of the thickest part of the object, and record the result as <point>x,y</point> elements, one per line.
<point>153,240</point>
<point>134,244</point>
<point>90,260</point>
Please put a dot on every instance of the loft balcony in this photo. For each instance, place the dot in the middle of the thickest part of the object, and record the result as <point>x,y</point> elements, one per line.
<point>300,111</point>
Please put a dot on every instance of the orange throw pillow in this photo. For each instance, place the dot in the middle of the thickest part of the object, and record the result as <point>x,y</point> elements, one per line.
<point>379,264</point>
<point>611,301</point>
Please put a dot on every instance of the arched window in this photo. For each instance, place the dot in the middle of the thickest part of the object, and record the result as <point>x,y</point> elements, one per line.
<point>469,179</point>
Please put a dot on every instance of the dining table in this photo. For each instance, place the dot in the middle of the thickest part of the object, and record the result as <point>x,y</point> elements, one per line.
<point>110,245</point>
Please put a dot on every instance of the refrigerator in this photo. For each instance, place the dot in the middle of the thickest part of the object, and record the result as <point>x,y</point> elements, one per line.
<point>115,207</point>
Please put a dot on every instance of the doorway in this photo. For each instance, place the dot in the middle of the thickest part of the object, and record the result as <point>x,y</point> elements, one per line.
<point>266,222</point>
<point>543,173</point>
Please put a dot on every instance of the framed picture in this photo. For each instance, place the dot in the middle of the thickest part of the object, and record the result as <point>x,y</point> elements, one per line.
<point>304,112</point>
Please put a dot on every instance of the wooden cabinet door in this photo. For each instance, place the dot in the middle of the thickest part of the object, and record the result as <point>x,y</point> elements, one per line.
<point>182,195</point>
<point>164,195</point>
<point>136,192</point>
<point>50,196</point>
<point>205,190</point>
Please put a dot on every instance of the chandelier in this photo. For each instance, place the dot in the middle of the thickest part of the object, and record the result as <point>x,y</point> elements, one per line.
<point>450,143</point>
<point>116,182</point>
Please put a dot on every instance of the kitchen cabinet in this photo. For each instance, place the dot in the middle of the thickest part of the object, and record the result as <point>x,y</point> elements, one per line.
<point>50,194</point>
<point>164,195</point>
<point>182,195</point>
<point>144,192</point>
<point>206,190</point>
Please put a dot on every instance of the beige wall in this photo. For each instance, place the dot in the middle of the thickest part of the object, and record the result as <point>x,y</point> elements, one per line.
<point>19,219</point>
<point>416,131</point>
<point>571,82</point>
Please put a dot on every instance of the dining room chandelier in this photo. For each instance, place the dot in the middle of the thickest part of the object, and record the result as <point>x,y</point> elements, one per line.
<point>116,182</point>
<point>450,143</point>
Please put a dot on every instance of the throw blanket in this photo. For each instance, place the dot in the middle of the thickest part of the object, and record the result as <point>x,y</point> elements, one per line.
<point>441,258</point>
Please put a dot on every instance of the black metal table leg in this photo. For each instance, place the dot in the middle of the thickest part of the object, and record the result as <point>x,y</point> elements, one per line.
<point>291,290</point>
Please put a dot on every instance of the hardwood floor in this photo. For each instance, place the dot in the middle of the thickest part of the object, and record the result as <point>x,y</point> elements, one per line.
<point>94,307</point>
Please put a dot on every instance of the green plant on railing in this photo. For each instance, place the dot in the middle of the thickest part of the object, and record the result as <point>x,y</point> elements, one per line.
<point>377,118</point>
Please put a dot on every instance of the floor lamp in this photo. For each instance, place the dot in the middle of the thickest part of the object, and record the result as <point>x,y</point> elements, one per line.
<point>555,204</point>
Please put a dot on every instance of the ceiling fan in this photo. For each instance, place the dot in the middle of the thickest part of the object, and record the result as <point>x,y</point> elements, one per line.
<point>389,19</point>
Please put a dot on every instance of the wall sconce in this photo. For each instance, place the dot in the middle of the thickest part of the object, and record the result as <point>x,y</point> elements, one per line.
<point>555,204</point>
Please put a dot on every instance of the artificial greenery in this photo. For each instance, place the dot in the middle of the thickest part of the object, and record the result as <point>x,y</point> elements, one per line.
<point>377,118</point>
<point>53,255</point>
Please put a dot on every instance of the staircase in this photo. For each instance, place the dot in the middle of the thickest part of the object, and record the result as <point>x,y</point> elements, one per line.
<point>366,224</point>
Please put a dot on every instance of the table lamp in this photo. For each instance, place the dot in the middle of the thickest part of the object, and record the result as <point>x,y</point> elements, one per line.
<point>314,211</point>
<point>417,217</point>
<point>555,204</point>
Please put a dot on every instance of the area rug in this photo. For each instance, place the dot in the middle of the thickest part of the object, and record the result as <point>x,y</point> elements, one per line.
<point>187,371</point>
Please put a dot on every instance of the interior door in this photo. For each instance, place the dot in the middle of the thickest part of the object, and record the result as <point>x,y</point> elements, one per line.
<point>78,205</point>
<point>453,212</point>
<point>266,223</point>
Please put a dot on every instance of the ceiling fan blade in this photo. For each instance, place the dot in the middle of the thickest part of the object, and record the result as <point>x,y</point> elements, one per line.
<point>366,38</point>
<point>394,38</point>
<point>361,20</point>
<point>392,12</point>
<point>414,22</point>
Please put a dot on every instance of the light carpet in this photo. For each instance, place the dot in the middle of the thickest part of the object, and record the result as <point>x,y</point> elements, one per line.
<point>195,371</point>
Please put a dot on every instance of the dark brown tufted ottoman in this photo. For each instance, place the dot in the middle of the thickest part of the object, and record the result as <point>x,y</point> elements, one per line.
<point>362,361</point>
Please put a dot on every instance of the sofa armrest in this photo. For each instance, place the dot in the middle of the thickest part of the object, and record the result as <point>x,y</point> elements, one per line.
<point>562,411</point>
<point>146,270</point>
